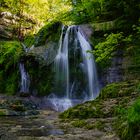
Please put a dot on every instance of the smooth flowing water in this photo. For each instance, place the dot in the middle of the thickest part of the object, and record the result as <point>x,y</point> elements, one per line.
<point>72,43</point>
<point>25,79</point>
<point>89,65</point>
<point>62,64</point>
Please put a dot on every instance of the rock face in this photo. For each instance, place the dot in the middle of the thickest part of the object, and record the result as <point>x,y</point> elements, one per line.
<point>115,72</point>
<point>45,55</point>
<point>87,29</point>
<point>46,43</point>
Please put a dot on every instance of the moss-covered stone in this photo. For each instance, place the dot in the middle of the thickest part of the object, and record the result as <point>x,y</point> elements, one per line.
<point>113,99</point>
<point>119,89</point>
<point>79,123</point>
<point>84,111</point>
<point>87,124</point>
<point>3,112</point>
<point>50,32</point>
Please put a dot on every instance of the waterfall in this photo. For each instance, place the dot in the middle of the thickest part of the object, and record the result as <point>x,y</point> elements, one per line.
<point>90,66</point>
<point>62,63</point>
<point>25,79</point>
<point>70,87</point>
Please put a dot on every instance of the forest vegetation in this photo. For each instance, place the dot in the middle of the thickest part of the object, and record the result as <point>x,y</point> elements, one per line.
<point>116,27</point>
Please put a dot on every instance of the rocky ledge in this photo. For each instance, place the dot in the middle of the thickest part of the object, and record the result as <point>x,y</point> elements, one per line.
<point>16,106</point>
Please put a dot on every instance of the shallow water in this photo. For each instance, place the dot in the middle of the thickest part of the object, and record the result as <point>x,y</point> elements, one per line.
<point>35,126</point>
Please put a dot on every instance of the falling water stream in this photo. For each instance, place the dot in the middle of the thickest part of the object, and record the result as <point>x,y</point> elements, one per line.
<point>90,66</point>
<point>63,99</point>
<point>25,79</point>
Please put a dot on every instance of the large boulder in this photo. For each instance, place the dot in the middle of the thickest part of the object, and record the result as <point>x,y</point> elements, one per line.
<point>45,55</point>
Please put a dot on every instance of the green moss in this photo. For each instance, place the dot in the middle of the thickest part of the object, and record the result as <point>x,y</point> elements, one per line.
<point>79,123</point>
<point>95,125</point>
<point>134,52</point>
<point>84,111</point>
<point>127,125</point>
<point>3,112</point>
<point>118,89</point>
<point>50,32</point>
<point>88,124</point>
<point>9,57</point>
<point>29,40</point>
<point>11,84</point>
<point>41,77</point>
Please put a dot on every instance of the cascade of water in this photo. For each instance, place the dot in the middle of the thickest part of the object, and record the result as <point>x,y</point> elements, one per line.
<point>25,79</point>
<point>72,41</point>
<point>27,49</point>
<point>90,65</point>
<point>62,63</point>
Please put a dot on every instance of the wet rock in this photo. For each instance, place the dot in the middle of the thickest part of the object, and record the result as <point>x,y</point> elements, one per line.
<point>15,106</point>
<point>87,29</point>
<point>45,54</point>
<point>22,94</point>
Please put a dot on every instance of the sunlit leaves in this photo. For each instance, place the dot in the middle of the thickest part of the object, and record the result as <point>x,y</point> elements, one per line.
<point>105,50</point>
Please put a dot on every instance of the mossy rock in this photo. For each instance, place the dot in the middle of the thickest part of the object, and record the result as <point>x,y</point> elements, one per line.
<point>3,112</point>
<point>50,32</point>
<point>88,124</point>
<point>79,123</point>
<point>111,100</point>
<point>87,110</point>
<point>120,89</point>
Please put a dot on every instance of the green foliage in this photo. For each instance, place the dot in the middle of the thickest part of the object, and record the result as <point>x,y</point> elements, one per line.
<point>9,57</point>
<point>84,11</point>
<point>128,123</point>
<point>106,49</point>
<point>41,76</point>
<point>136,28</point>
<point>79,11</point>
<point>10,53</point>
<point>29,40</point>
<point>133,52</point>
<point>33,14</point>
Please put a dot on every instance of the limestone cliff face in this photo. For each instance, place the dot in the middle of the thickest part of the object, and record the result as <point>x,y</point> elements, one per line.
<point>115,72</point>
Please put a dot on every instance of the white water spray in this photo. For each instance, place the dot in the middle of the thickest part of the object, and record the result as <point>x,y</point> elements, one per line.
<point>25,79</point>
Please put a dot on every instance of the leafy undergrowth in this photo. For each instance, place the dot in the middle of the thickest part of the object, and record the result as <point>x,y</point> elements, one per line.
<point>127,124</point>
<point>10,53</point>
